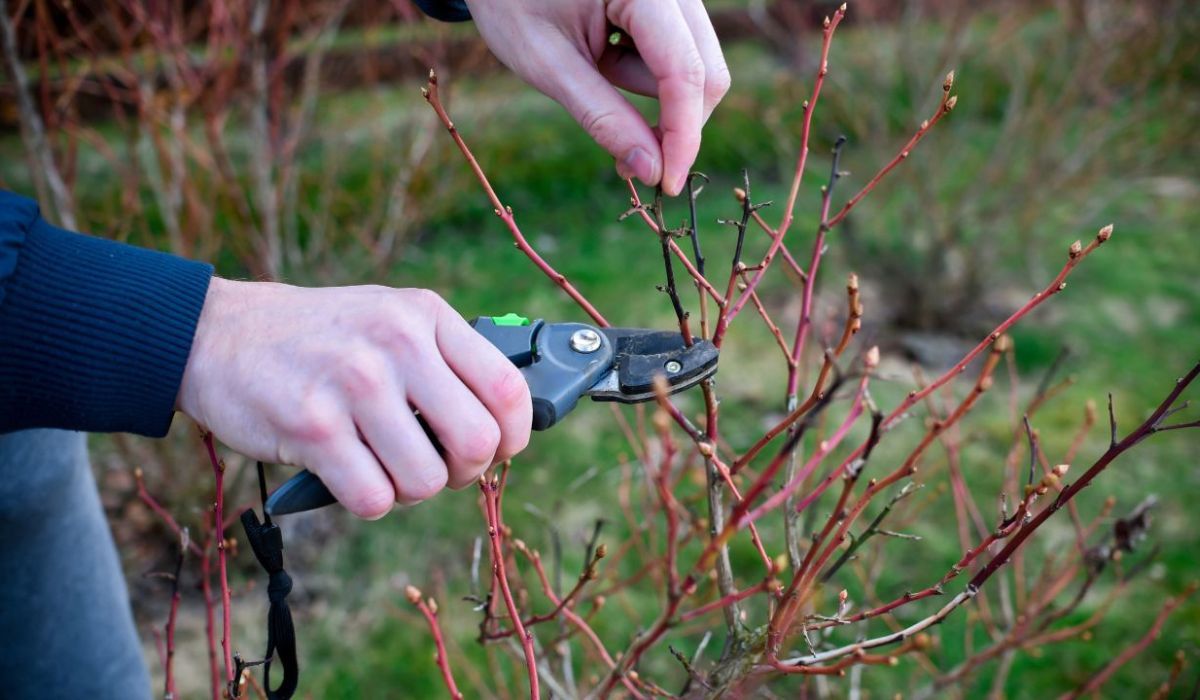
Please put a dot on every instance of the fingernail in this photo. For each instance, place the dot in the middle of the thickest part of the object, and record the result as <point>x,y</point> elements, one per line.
<point>640,164</point>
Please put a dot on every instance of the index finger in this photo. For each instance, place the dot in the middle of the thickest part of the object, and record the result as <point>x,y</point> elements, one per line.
<point>664,41</point>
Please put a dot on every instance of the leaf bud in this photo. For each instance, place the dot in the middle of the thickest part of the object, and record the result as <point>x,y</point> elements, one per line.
<point>871,360</point>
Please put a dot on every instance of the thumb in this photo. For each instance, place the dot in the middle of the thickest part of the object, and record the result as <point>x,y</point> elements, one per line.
<point>576,83</point>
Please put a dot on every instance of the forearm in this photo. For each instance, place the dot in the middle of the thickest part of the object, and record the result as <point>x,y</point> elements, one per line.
<point>94,335</point>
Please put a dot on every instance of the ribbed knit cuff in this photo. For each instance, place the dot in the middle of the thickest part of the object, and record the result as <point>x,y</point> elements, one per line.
<point>94,334</point>
<point>445,10</point>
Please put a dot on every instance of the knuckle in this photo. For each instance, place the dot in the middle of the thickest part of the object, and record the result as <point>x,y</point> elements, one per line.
<point>361,374</point>
<point>718,83</point>
<point>315,420</point>
<point>692,72</point>
<point>510,390</point>
<point>428,300</point>
<point>601,124</point>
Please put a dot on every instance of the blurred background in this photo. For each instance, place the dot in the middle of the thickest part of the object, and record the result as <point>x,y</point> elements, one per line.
<point>288,140</point>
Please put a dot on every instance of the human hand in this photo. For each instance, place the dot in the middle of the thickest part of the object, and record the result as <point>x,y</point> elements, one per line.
<point>561,47</point>
<point>328,379</point>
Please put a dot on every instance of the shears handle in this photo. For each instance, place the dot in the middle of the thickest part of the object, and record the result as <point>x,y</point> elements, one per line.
<point>558,367</point>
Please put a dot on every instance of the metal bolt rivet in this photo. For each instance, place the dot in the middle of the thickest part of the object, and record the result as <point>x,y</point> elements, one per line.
<point>585,340</point>
<point>673,367</point>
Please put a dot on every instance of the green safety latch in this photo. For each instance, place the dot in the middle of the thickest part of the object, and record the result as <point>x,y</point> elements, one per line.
<point>510,319</point>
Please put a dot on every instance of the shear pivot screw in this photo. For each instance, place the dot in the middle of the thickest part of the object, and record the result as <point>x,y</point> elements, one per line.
<point>673,367</point>
<point>585,340</point>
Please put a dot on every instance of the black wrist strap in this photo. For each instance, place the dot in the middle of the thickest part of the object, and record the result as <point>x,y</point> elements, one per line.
<point>266,540</point>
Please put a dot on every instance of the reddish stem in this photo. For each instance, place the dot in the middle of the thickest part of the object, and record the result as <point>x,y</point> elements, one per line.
<point>1055,286</point>
<point>214,671</point>
<point>728,314</point>
<point>219,537</point>
<point>443,659</point>
<point>1095,682</point>
<point>726,601</point>
<point>505,213</point>
<point>491,495</point>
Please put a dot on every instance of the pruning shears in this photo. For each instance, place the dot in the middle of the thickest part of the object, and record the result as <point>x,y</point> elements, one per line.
<point>561,363</point>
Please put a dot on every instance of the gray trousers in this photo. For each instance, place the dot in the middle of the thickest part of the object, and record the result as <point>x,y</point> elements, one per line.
<point>66,630</point>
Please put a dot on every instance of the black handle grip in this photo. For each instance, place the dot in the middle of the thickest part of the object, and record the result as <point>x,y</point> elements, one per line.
<point>305,491</point>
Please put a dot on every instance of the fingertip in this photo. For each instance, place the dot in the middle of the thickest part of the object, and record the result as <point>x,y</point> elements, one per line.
<point>676,187</point>
<point>372,503</point>
<point>420,482</point>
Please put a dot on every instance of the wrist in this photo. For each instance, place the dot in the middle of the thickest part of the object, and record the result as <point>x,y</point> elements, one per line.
<point>205,343</point>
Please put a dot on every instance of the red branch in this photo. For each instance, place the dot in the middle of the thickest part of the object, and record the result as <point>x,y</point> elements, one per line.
<point>219,537</point>
<point>505,213</point>
<point>429,610</point>
<point>491,496</point>
<point>947,104</point>
<point>727,315</point>
<point>1056,285</point>
<point>1095,682</point>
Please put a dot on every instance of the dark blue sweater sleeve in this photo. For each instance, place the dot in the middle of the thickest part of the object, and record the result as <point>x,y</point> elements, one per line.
<point>445,10</point>
<point>94,334</point>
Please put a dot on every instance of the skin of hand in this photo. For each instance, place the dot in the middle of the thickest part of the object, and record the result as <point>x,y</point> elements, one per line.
<point>327,379</point>
<point>561,47</point>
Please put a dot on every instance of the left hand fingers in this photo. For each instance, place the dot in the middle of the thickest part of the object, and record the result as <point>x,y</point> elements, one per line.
<point>664,41</point>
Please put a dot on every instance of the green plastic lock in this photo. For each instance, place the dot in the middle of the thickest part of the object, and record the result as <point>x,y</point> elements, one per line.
<point>510,319</point>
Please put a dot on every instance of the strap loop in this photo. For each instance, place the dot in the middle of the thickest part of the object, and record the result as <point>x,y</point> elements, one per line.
<point>266,540</point>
